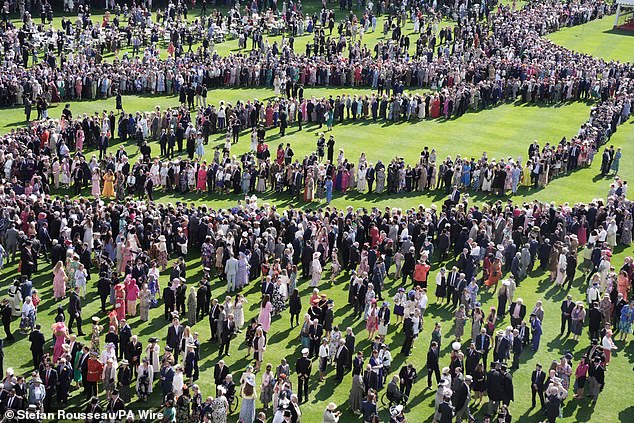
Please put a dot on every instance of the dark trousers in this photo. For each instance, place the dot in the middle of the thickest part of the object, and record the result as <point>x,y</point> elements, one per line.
<point>90,389</point>
<point>565,321</point>
<point>168,310</point>
<point>224,346</point>
<point>537,392</point>
<point>303,389</point>
<point>314,348</point>
<point>71,319</point>
<point>340,372</point>
<point>37,358</point>
<point>7,330</point>
<point>407,345</point>
<point>213,326</point>
<point>431,372</point>
<point>48,400</point>
<point>103,298</point>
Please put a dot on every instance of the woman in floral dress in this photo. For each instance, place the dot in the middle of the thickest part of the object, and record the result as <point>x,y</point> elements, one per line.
<point>238,310</point>
<point>144,300</point>
<point>182,407</point>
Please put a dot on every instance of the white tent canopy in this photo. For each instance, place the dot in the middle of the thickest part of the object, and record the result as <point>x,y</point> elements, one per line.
<point>619,4</point>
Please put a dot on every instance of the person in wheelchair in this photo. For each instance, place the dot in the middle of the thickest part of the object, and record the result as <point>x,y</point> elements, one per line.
<point>230,386</point>
<point>394,394</point>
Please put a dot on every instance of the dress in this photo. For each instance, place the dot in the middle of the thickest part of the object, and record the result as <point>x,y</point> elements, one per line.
<point>265,317</point>
<point>238,315</point>
<point>108,185</point>
<point>59,330</point>
<point>59,283</point>
<point>144,306</point>
<point>96,185</point>
<point>219,410</point>
<point>247,409</point>
<point>627,317</point>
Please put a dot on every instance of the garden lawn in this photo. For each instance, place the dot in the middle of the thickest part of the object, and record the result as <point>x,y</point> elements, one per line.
<point>503,131</point>
<point>597,38</point>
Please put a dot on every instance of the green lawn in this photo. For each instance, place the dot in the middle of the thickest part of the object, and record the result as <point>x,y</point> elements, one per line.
<point>597,38</point>
<point>504,131</point>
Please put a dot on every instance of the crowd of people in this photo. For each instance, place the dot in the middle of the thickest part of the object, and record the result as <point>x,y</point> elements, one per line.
<point>126,245</point>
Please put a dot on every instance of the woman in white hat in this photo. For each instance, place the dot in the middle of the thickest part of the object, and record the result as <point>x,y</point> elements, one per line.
<point>330,414</point>
<point>315,269</point>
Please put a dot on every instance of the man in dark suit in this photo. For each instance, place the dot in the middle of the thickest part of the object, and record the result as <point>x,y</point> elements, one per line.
<point>125,334</point>
<point>408,329</point>
<point>37,340</point>
<point>214,313</point>
<point>315,333</point>
<point>133,351</point>
<point>115,404</point>
<point>566,310</point>
<point>516,348</point>
<point>461,398</point>
<point>537,384</point>
<point>220,372</point>
<point>74,311</point>
<point>12,402</point>
<point>93,408</point>
<point>472,358</point>
<point>407,375</point>
<point>64,379</point>
<point>432,363</point>
<point>174,335</point>
<point>7,313</point>
<point>358,363</point>
<point>303,368</point>
<point>49,379</point>
<point>446,410</point>
<point>267,287</point>
<point>494,388</point>
<point>341,358</point>
<point>369,176</point>
<point>507,385</point>
<point>228,330</point>
<point>517,312</point>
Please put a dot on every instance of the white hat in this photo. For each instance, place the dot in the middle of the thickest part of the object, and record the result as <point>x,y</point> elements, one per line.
<point>305,351</point>
<point>456,346</point>
<point>331,406</point>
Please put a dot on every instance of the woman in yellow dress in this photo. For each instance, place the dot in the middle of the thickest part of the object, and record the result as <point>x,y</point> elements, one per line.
<point>526,174</point>
<point>108,185</point>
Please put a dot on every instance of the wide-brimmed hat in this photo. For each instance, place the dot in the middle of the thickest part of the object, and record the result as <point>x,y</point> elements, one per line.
<point>331,406</point>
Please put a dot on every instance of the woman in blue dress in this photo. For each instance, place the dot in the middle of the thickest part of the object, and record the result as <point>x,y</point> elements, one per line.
<point>328,185</point>
<point>338,179</point>
<point>153,286</point>
<point>242,277</point>
<point>200,150</point>
<point>466,174</point>
<point>627,317</point>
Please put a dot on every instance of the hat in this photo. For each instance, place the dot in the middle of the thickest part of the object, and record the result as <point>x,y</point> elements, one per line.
<point>161,238</point>
<point>331,406</point>
<point>251,381</point>
<point>305,351</point>
<point>168,348</point>
<point>456,346</point>
<point>95,319</point>
<point>396,410</point>
<point>443,382</point>
<point>468,378</point>
<point>124,362</point>
<point>152,340</point>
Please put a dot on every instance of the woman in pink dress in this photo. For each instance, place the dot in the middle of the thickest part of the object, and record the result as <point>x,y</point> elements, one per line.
<point>96,186</point>
<point>344,180</point>
<point>201,180</point>
<point>264,318</point>
<point>582,232</point>
<point>59,281</point>
<point>119,292</point>
<point>269,116</point>
<point>372,320</point>
<point>79,139</point>
<point>61,333</point>
<point>132,295</point>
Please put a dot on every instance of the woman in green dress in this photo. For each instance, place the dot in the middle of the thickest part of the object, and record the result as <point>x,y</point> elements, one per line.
<point>76,366</point>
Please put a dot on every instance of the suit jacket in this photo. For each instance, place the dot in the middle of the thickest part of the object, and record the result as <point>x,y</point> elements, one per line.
<point>74,303</point>
<point>567,306</point>
<point>134,350</point>
<point>174,335</point>
<point>228,329</point>
<point>303,367</point>
<point>446,412</point>
<point>341,356</point>
<point>432,359</point>
<point>52,378</point>
<point>522,310</point>
<point>538,380</point>
<point>220,374</point>
<point>37,340</point>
